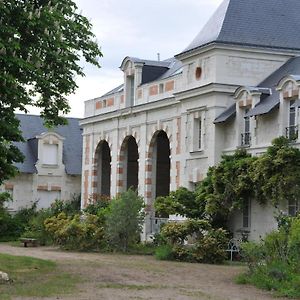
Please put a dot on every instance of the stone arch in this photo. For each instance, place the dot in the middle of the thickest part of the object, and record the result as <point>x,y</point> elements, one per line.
<point>158,166</point>
<point>102,170</point>
<point>128,166</point>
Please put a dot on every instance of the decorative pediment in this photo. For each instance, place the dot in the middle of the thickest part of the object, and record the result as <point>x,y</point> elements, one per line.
<point>246,95</point>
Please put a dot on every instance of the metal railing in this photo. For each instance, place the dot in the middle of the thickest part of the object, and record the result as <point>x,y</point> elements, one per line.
<point>246,139</point>
<point>291,132</point>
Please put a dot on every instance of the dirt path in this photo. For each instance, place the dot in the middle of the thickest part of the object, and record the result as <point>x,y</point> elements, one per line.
<point>118,277</point>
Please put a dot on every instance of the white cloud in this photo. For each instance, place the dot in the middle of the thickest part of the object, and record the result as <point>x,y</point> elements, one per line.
<point>136,28</point>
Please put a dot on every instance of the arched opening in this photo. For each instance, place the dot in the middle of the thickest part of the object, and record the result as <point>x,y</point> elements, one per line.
<point>161,153</point>
<point>103,169</point>
<point>131,163</point>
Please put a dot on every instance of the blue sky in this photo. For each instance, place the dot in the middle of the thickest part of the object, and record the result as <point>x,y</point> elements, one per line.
<point>139,28</point>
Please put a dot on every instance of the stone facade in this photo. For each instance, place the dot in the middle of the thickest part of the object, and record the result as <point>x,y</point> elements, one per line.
<point>50,170</point>
<point>172,123</point>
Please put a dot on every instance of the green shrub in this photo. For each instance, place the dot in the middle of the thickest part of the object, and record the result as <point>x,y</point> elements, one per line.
<point>10,229</point>
<point>274,262</point>
<point>211,248</point>
<point>72,233</point>
<point>294,243</point>
<point>97,207</point>
<point>177,233</point>
<point>13,226</point>
<point>36,227</point>
<point>253,253</point>
<point>208,245</point>
<point>69,207</point>
<point>164,252</point>
<point>124,220</point>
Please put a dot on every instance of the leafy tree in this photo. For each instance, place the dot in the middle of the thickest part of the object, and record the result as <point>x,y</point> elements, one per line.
<point>182,202</point>
<point>276,174</point>
<point>226,187</point>
<point>124,220</point>
<point>41,43</point>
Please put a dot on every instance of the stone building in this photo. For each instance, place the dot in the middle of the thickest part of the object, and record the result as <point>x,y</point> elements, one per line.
<point>236,85</point>
<point>52,166</point>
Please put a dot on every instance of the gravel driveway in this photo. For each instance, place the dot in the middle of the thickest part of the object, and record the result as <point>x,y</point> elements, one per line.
<point>119,277</point>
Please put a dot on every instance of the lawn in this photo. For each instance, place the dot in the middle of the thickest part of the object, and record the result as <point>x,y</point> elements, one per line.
<point>32,277</point>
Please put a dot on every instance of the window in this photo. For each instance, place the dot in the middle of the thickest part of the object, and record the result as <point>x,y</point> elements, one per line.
<point>246,214</point>
<point>246,135</point>
<point>161,88</point>
<point>46,198</point>
<point>198,134</point>
<point>293,207</point>
<point>130,90</point>
<point>50,154</point>
<point>292,129</point>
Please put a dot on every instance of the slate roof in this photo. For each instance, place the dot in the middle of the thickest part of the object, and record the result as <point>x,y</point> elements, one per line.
<point>270,96</point>
<point>267,103</point>
<point>119,88</point>
<point>258,23</point>
<point>230,112</point>
<point>147,62</point>
<point>32,126</point>
<point>153,70</point>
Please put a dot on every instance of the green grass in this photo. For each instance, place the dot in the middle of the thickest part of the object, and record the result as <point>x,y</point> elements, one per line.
<point>34,277</point>
<point>288,287</point>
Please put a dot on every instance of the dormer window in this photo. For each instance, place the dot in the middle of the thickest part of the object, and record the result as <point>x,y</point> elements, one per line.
<point>50,154</point>
<point>49,150</point>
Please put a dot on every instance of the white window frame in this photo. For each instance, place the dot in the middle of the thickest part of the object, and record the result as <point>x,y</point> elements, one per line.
<point>45,157</point>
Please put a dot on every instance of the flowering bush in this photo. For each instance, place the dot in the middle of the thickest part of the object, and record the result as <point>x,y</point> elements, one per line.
<point>194,241</point>
<point>76,233</point>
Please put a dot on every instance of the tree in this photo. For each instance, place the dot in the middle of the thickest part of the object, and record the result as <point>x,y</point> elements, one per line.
<point>228,186</point>
<point>276,174</point>
<point>41,44</point>
<point>124,220</point>
<point>182,202</point>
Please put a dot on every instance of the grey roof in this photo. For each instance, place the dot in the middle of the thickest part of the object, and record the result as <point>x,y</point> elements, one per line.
<point>226,115</point>
<point>152,71</point>
<point>147,62</point>
<point>174,69</point>
<point>258,89</point>
<point>270,96</point>
<point>259,23</point>
<point>296,104</point>
<point>267,103</point>
<point>118,89</point>
<point>32,126</point>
